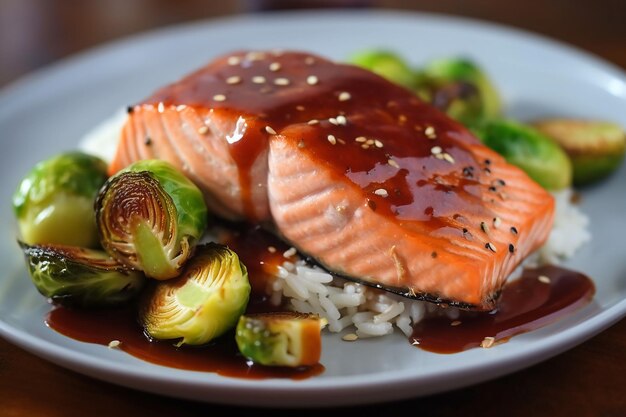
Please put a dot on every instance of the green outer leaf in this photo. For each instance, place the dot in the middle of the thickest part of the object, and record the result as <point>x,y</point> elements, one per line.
<point>541,158</point>
<point>191,210</point>
<point>74,173</point>
<point>80,277</point>
<point>449,70</point>
<point>386,64</point>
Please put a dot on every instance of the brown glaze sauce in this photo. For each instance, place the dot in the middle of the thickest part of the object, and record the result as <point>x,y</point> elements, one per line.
<point>343,102</point>
<point>539,297</point>
<point>222,356</point>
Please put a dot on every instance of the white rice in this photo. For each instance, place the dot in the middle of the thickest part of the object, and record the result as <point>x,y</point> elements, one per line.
<point>353,307</point>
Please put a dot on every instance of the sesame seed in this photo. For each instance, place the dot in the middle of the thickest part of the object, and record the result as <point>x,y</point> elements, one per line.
<point>514,230</point>
<point>341,119</point>
<point>258,79</point>
<point>203,130</point>
<point>234,60</point>
<point>511,248</point>
<point>381,192</point>
<point>269,130</point>
<point>281,81</point>
<point>114,344</point>
<point>300,108</point>
<point>289,252</point>
<point>219,97</point>
<point>344,96</point>
<point>301,143</point>
<point>312,80</point>
<point>160,107</point>
<point>430,132</point>
<point>255,56</point>
<point>435,150</point>
<point>361,139</point>
<point>333,121</point>
<point>370,141</point>
<point>544,279</point>
<point>484,227</point>
<point>393,163</point>
<point>497,222</point>
<point>490,246</point>
<point>365,146</point>
<point>350,337</point>
<point>448,157</point>
<point>312,122</point>
<point>271,249</point>
<point>378,143</point>
<point>235,79</point>
<point>455,323</point>
<point>309,60</point>
<point>401,118</point>
<point>487,342</point>
<point>343,142</point>
<point>274,66</point>
<point>332,139</point>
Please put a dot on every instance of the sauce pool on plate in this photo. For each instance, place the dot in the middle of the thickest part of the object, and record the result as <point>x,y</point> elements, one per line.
<point>541,296</point>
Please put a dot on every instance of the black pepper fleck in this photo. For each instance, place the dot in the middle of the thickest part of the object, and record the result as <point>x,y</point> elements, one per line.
<point>130,109</point>
<point>371,204</point>
<point>433,255</point>
<point>514,230</point>
<point>148,141</point>
<point>511,248</point>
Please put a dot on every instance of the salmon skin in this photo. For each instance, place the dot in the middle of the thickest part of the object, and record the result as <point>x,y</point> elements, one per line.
<point>354,171</point>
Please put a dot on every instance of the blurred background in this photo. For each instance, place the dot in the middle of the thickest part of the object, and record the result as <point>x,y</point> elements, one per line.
<point>34,33</point>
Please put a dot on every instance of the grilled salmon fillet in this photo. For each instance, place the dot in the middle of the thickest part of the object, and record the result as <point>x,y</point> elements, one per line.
<point>351,169</point>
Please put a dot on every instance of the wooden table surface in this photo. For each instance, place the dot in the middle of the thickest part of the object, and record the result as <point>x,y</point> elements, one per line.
<point>589,380</point>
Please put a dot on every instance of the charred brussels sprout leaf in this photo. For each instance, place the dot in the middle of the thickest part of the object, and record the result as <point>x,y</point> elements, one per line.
<point>80,277</point>
<point>461,89</point>
<point>54,202</point>
<point>150,217</point>
<point>521,145</point>
<point>203,303</point>
<point>280,339</point>
<point>596,148</point>
<point>387,65</point>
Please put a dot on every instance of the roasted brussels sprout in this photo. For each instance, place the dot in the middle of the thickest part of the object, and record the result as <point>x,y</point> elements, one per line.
<point>461,89</point>
<point>150,217</point>
<point>387,65</point>
<point>54,202</point>
<point>521,145</point>
<point>81,277</point>
<point>203,303</point>
<point>596,148</point>
<point>280,339</point>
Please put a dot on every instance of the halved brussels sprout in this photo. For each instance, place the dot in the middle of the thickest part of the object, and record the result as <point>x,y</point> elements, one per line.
<point>596,148</point>
<point>387,65</point>
<point>203,303</point>
<point>280,339</point>
<point>521,145</point>
<point>54,202</point>
<point>461,89</point>
<point>150,217</point>
<point>82,277</point>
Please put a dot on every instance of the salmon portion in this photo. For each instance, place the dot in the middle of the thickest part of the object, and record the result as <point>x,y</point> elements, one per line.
<point>352,170</point>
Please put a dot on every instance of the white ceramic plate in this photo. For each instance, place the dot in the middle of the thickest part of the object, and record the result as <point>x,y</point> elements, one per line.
<point>49,111</point>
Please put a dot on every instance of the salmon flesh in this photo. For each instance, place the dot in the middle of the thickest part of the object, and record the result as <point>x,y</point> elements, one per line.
<point>354,171</point>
